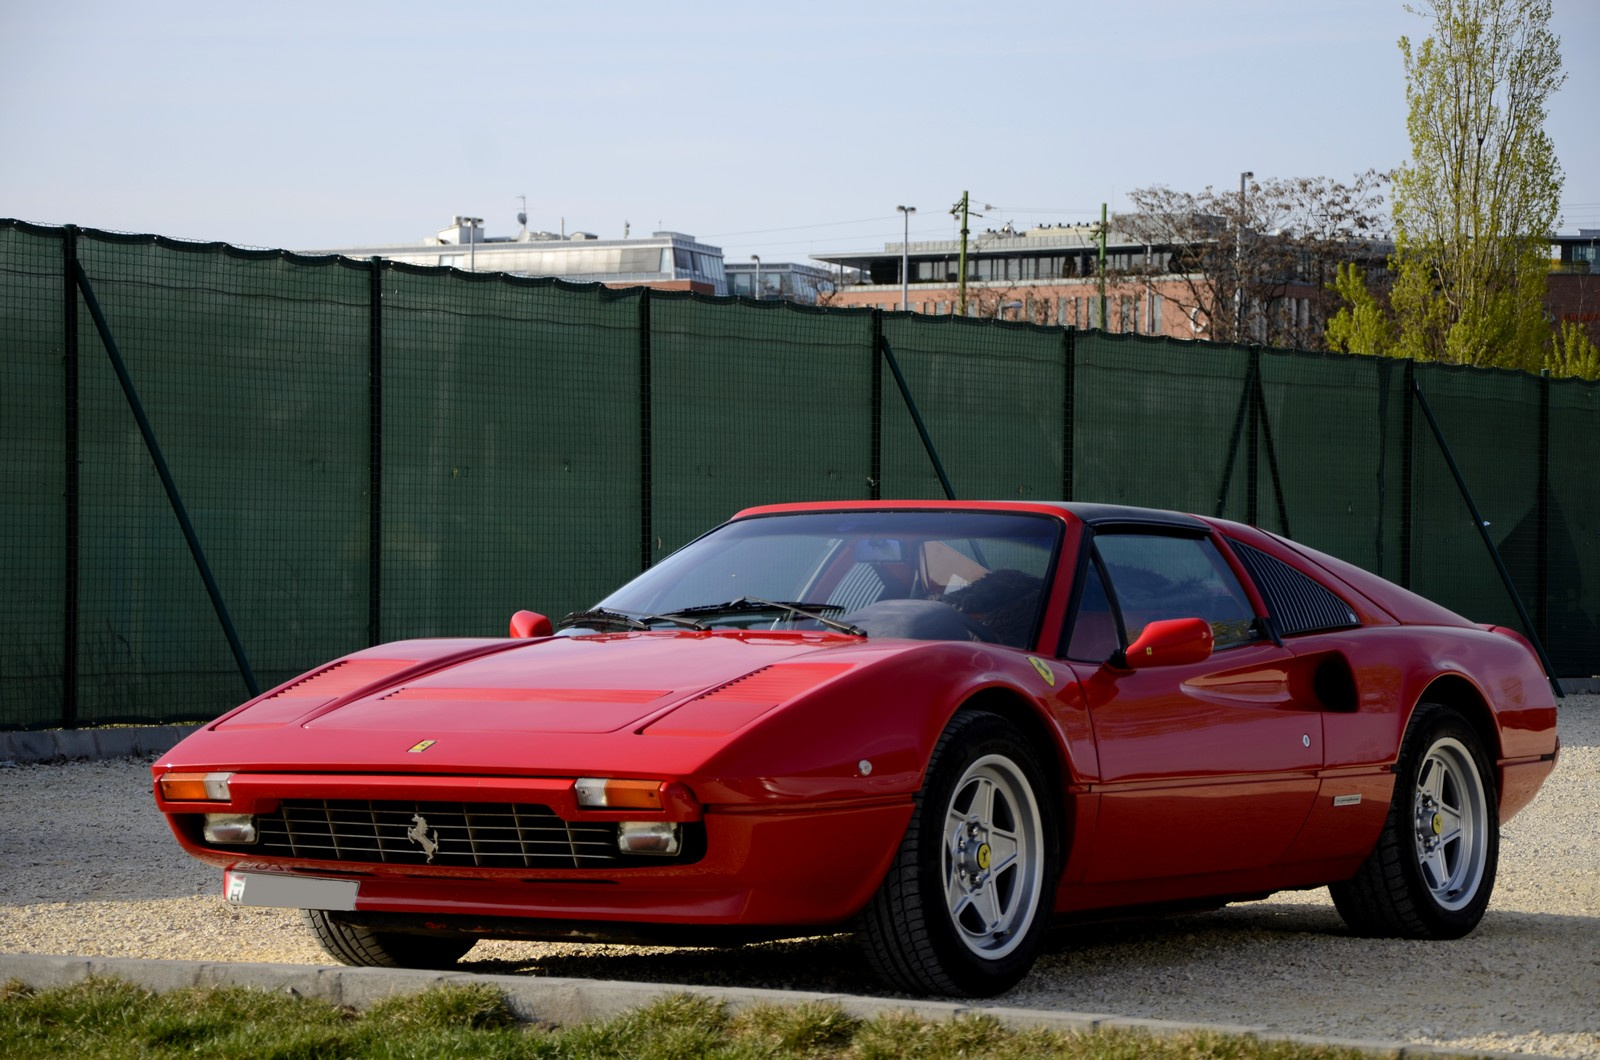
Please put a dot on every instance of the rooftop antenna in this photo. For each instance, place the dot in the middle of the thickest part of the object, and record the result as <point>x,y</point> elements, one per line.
<point>522,215</point>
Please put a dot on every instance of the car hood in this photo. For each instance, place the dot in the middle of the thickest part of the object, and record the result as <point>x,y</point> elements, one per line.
<point>490,706</point>
<point>587,684</point>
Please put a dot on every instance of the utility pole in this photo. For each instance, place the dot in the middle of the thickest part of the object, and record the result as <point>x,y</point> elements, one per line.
<point>1238,264</point>
<point>961,210</point>
<point>905,258</point>
<point>1104,324</point>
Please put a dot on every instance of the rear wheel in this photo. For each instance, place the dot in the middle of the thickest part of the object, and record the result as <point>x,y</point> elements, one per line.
<point>965,904</point>
<point>363,947</point>
<point>1433,869</point>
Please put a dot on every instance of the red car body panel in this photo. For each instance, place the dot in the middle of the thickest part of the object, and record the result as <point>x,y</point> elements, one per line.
<point>799,753</point>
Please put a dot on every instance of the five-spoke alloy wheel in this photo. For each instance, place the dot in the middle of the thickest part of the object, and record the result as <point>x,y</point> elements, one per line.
<point>992,870</point>
<point>1433,869</point>
<point>965,904</point>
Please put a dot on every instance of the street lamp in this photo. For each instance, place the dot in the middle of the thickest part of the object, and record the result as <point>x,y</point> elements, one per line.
<point>905,257</point>
<point>1238,263</point>
<point>757,259</point>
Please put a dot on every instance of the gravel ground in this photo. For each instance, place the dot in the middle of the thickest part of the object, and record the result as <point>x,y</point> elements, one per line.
<point>87,867</point>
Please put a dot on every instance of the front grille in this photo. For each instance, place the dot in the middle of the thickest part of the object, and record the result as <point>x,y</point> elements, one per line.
<point>482,834</point>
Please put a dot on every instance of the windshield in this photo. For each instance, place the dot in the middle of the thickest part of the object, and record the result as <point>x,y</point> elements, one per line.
<point>919,574</point>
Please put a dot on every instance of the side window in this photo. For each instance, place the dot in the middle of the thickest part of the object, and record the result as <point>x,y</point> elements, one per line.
<point>1154,577</point>
<point>1094,633</point>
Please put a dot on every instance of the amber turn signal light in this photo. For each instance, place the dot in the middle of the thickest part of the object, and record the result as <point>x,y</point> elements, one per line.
<point>601,793</point>
<point>194,787</point>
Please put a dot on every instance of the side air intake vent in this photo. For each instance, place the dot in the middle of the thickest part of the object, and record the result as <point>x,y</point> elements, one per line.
<point>1298,604</point>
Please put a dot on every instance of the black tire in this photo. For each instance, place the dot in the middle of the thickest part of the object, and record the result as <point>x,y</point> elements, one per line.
<point>1433,870</point>
<point>964,907</point>
<point>362,947</point>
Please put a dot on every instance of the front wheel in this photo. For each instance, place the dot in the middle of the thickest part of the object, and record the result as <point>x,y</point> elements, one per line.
<point>1433,869</point>
<point>965,904</point>
<point>362,947</point>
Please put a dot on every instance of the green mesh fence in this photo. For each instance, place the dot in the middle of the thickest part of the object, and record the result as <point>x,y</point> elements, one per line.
<point>1330,456</point>
<point>510,450</point>
<point>252,371</point>
<point>34,515</point>
<point>369,452</point>
<point>995,402</point>
<point>1571,551</point>
<point>750,404</point>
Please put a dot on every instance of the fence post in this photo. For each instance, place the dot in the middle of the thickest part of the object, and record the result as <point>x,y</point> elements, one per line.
<point>165,473</point>
<point>916,414</point>
<point>1488,540</point>
<point>1542,563</point>
<point>1069,407</point>
<point>875,423</point>
<point>374,451</point>
<point>1244,419</point>
<point>1264,422</point>
<point>1252,462</point>
<point>70,399</point>
<point>1408,374</point>
<point>646,487</point>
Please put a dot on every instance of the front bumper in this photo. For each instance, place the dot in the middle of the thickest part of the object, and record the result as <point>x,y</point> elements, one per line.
<point>795,864</point>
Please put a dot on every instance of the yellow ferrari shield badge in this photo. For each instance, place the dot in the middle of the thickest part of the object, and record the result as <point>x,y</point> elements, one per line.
<point>1044,670</point>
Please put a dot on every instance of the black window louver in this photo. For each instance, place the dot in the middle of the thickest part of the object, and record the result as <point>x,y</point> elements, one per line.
<point>1296,602</point>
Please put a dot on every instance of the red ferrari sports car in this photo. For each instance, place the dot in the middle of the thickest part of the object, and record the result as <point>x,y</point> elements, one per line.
<point>937,725</point>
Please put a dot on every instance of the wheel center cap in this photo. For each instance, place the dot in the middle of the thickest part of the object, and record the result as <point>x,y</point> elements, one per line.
<point>983,856</point>
<point>1438,824</point>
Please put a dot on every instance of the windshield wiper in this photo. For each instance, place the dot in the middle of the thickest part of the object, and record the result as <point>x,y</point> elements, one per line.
<point>600,618</point>
<point>756,603</point>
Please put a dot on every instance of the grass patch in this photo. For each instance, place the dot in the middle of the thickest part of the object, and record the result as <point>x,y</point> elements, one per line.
<point>109,1018</point>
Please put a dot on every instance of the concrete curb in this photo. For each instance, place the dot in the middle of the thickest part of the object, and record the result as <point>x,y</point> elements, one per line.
<point>65,745</point>
<point>568,1002</point>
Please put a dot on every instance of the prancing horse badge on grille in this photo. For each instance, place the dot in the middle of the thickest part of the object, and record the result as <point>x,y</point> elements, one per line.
<point>419,834</point>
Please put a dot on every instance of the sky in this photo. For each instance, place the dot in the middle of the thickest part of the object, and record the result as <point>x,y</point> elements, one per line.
<point>774,129</point>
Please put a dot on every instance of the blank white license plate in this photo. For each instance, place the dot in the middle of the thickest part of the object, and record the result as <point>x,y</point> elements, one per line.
<point>294,892</point>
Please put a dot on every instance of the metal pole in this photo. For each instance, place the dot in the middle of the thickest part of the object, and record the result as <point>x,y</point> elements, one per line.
<point>905,257</point>
<point>72,447</point>
<point>82,280</point>
<point>374,451</point>
<point>1238,264</point>
<point>1102,324</point>
<point>960,210</point>
<point>916,417</point>
<point>757,259</point>
<point>1488,540</point>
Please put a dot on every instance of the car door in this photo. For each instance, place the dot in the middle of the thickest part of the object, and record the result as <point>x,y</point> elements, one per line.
<point>1204,767</point>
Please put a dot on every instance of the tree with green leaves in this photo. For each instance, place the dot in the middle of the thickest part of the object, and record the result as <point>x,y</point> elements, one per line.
<point>1475,207</point>
<point>1363,323</point>
<point>1574,354</point>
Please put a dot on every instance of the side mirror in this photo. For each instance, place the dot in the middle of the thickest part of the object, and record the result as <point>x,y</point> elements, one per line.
<point>1169,642</point>
<point>526,624</point>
